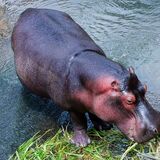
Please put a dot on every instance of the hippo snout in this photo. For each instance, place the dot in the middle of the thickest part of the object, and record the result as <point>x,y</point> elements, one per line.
<point>149,126</point>
<point>143,125</point>
<point>146,134</point>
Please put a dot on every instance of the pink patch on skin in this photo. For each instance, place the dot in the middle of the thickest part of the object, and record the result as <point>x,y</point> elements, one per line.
<point>84,97</point>
<point>101,84</point>
<point>95,94</point>
<point>104,110</point>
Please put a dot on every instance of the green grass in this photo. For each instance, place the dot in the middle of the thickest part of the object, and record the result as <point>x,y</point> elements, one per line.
<point>106,145</point>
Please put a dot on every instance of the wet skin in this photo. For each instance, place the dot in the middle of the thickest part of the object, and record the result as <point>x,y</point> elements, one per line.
<point>56,58</point>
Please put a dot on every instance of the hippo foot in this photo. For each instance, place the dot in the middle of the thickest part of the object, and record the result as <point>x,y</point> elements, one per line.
<point>102,126</point>
<point>80,139</point>
<point>98,123</point>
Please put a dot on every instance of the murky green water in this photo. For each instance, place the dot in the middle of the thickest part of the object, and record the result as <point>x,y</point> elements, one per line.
<point>127,30</point>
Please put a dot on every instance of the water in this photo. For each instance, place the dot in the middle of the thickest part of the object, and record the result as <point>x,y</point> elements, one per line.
<point>127,30</point>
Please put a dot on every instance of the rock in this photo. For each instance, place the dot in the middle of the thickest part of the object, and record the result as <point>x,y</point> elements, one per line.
<point>4,23</point>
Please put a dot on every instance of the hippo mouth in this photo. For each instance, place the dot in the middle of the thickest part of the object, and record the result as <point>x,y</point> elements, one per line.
<point>128,129</point>
<point>143,138</point>
<point>129,134</point>
<point>134,132</point>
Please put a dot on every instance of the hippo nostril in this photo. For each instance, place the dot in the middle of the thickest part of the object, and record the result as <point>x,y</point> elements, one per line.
<point>155,130</point>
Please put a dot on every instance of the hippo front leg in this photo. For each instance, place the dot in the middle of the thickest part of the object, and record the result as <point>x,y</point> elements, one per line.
<point>98,123</point>
<point>80,137</point>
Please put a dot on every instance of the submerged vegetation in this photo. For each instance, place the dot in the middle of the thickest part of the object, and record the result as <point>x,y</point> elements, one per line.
<point>106,145</point>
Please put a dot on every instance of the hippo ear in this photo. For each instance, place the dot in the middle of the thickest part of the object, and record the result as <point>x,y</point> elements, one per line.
<point>133,81</point>
<point>131,70</point>
<point>145,87</point>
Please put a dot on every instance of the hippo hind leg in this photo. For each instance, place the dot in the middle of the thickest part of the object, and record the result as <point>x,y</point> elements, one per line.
<point>98,123</point>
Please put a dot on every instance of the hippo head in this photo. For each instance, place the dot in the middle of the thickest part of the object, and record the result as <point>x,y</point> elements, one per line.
<point>126,106</point>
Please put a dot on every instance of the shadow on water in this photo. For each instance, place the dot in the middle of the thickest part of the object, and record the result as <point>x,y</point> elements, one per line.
<point>47,107</point>
<point>127,30</point>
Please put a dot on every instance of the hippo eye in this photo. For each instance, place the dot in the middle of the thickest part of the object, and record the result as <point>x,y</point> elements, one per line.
<point>130,102</point>
<point>129,97</point>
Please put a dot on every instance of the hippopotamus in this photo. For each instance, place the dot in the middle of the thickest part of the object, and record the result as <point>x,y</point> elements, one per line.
<point>57,59</point>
